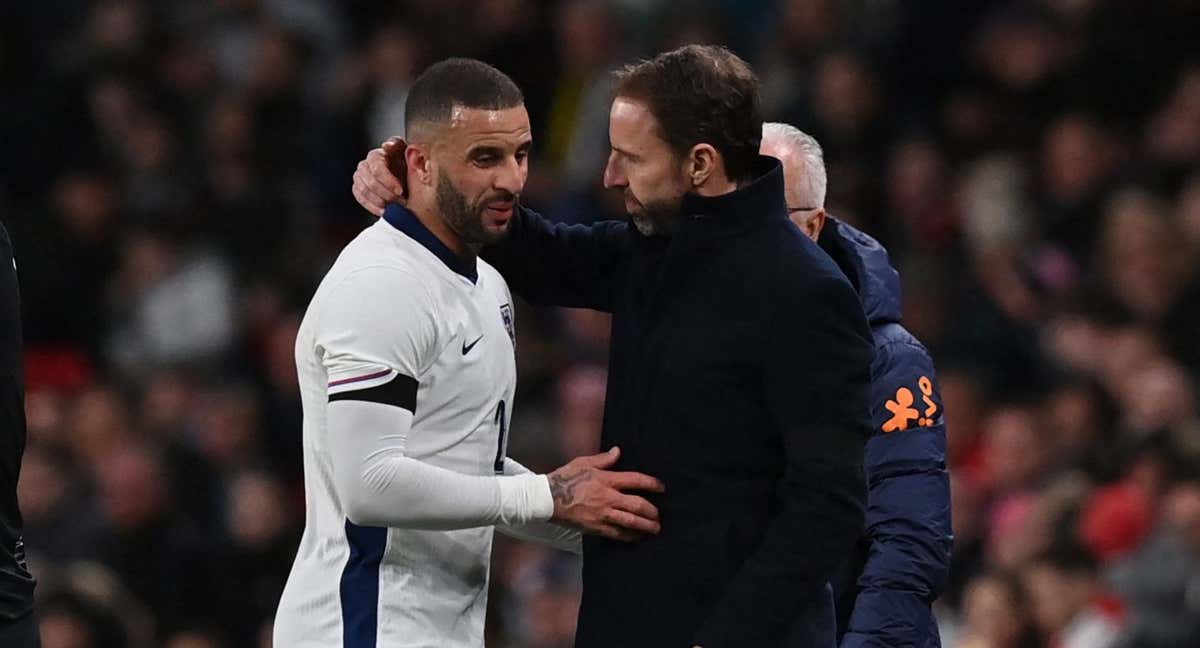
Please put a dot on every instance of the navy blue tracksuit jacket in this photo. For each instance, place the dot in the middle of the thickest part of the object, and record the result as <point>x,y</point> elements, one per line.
<point>900,565</point>
<point>739,374</point>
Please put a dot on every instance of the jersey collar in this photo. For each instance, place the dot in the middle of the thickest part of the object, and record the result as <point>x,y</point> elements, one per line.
<point>403,219</point>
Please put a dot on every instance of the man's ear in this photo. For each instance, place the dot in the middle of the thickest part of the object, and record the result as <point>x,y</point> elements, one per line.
<point>420,166</point>
<point>815,223</point>
<point>701,163</point>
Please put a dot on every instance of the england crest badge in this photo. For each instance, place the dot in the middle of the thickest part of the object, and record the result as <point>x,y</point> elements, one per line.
<point>507,315</point>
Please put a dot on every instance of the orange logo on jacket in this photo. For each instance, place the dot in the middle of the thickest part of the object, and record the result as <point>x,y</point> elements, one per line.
<point>903,412</point>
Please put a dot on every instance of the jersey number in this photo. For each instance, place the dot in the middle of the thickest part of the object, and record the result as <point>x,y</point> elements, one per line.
<point>501,421</point>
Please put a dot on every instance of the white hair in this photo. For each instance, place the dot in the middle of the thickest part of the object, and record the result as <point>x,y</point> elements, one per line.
<point>808,155</point>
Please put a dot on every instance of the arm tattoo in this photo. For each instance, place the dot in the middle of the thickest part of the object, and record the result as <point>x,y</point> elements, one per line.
<point>562,487</point>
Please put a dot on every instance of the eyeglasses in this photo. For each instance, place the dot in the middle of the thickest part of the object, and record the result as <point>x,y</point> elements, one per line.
<point>796,209</point>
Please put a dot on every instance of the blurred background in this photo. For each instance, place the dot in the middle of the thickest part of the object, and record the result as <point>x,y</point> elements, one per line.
<point>176,179</point>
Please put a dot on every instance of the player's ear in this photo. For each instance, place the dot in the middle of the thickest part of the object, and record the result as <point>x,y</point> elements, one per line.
<point>420,164</point>
<point>701,162</point>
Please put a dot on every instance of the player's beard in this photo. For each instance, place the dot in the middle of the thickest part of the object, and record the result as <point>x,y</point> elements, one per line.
<point>465,219</point>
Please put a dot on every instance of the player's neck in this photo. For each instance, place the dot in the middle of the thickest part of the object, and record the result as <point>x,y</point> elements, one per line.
<point>433,221</point>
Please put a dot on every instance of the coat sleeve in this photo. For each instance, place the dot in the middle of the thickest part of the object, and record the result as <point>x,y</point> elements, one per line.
<point>552,264</point>
<point>816,380</point>
<point>908,510</point>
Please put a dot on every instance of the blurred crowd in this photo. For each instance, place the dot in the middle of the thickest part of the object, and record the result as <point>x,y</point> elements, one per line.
<point>176,179</point>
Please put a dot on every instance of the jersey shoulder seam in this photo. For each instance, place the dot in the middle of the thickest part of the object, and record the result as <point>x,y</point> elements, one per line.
<point>407,272</point>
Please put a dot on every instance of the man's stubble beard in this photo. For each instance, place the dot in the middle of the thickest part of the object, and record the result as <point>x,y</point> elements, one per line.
<point>657,218</point>
<point>463,218</point>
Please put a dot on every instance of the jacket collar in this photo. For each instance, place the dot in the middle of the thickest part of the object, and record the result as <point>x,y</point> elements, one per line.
<point>403,219</point>
<point>867,264</point>
<point>705,221</point>
<point>759,200</point>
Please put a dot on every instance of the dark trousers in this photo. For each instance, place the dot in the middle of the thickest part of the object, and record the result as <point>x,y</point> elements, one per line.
<point>22,633</point>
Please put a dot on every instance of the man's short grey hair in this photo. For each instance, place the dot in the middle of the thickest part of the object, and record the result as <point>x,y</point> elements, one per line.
<point>808,154</point>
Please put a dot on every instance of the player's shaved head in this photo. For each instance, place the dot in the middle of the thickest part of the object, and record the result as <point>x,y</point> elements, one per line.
<point>452,84</point>
<point>467,156</point>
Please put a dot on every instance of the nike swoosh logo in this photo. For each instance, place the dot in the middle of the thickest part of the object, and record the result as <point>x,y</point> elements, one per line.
<point>467,347</point>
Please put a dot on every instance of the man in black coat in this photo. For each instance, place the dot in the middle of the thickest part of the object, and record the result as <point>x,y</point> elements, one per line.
<point>17,627</point>
<point>739,370</point>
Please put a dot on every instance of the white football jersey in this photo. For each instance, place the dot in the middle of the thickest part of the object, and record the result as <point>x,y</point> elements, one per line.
<point>402,327</point>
